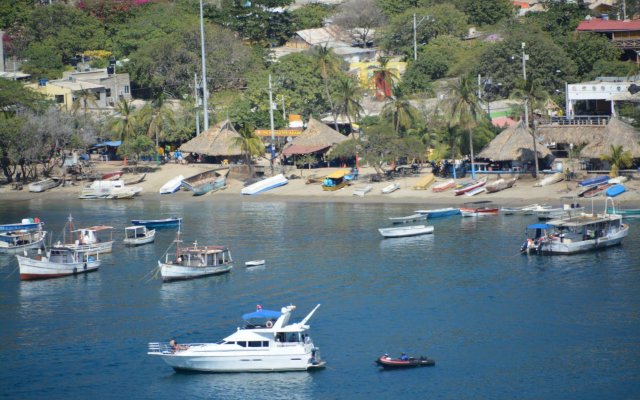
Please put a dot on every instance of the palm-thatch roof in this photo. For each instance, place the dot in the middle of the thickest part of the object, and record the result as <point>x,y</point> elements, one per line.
<point>316,137</point>
<point>616,133</point>
<point>215,141</point>
<point>514,143</point>
<point>576,134</point>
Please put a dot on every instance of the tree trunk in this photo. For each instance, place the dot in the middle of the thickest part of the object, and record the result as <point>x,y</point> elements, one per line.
<point>333,111</point>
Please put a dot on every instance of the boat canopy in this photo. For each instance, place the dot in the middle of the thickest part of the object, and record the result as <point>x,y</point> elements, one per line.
<point>262,314</point>
<point>539,226</point>
<point>94,228</point>
<point>338,174</point>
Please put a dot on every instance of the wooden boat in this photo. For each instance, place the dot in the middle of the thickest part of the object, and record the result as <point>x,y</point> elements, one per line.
<point>410,362</point>
<point>550,180</point>
<point>439,212</point>
<point>596,180</point>
<point>410,218</point>
<point>406,231</point>
<point>391,188</point>
<point>442,186</point>
<point>479,211</point>
<point>13,242</point>
<point>500,184</point>
<point>424,182</point>
<point>311,179</point>
<point>335,181</point>
<point>470,186</point>
<point>45,184</point>
<point>523,210</point>
<point>172,186</point>
<point>56,263</point>
<point>135,179</point>
<point>566,211</point>
<point>138,235</point>
<point>111,175</point>
<point>595,190</point>
<point>361,191</point>
<point>25,224</point>
<point>627,212</point>
<point>476,191</point>
<point>194,262</point>
<point>104,189</point>
<point>265,184</point>
<point>207,181</point>
<point>618,179</point>
<point>254,263</point>
<point>158,223</point>
<point>615,190</point>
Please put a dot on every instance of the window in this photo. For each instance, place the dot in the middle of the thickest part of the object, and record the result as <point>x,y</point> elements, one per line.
<point>243,344</point>
<point>108,93</point>
<point>60,98</point>
<point>126,88</point>
<point>255,344</point>
<point>265,343</point>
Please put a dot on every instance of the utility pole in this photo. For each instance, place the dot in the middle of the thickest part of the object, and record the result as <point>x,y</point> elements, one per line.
<point>273,133</point>
<point>205,92</point>
<point>415,39</point>
<point>526,110</point>
<point>197,99</point>
<point>1,52</point>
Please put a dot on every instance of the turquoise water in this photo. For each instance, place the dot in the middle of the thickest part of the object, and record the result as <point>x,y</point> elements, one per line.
<point>499,325</point>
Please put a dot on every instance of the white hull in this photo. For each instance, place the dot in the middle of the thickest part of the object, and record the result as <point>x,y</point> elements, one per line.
<point>558,246</point>
<point>265,184</point>
<point>102,247</point>
<point>7,248</point>
<point>170,272</point>
<point>406,231</point>
<point>141,240</point>
<point>43,185</point>
<point>550,180</point>
<point>391,188</point>
<point>41,269</point>
<point>254,263</point>
<point>362,191</point>
<point>172,186</point>
<point>475,191</point>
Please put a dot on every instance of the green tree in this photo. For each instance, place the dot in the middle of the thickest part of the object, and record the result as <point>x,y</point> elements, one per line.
<point>83,99</point>
<point>465,107</point>
<point>15,97</point>
<point>158,117</point>
<point>250,145</point>
<point>560,18</point>
<point>311,15</point>
<point>384,78</point>
<point>586,48</point>
<point>618,158</point>
<point>123,125</point>
<point>612,68</point>
<point>137,146</point>
<point>307,159</point>
<point>348,96</point>
<point>44,61</point>
<point>329,65</point>
<point>487,12</point>
<point>400,111</point>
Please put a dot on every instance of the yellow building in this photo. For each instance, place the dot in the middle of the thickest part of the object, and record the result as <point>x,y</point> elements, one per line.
<point>65,92</point>
<point>365,70</point>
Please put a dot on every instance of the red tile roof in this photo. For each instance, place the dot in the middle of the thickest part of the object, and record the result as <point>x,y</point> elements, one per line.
<point>602,25</point>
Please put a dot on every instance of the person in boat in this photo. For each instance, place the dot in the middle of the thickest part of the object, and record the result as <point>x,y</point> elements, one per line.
<point>404,357</point>
<point>386,356</point>
<point>175,346</point>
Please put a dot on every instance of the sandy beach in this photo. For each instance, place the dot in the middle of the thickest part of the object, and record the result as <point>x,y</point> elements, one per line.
<point>298,190</point>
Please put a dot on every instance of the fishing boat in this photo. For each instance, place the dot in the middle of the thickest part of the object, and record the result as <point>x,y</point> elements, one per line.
<point>172,186</point>
<point>596,180</point>
<point>500,184</point>
<point>108,189</point>
<point>12,242</point>
<point>618,179</point>
<point>442,186</point>
<point>361,191</point>
<point>390,188</point>
<point>550,179</point>
<point>406,231</point>
<point>567,210</point>
<point>25,224</point>
<point>470,186</point>
<point>265,184</point>
<point>476,191</point>
<point>158,223</point>
<point>526,210</point>
<point>385,361</point>
<point>124,193</point>
<point>478,211</point>
<point>45,184</point>
<point>268,342</point>
<point>135,179</point>
<point>575,234</point>
<point>86,240</point>
<point>138,235</point>
<point>207,181</point>
<point>409,218</point>
<point>57,262</point>
<point>254,263</point>
<point>424,182</point>
<point>439,212</point>
<point>111,175</point>
<point>335,181</point>
<point>194,261</point>
<point>595,190</point>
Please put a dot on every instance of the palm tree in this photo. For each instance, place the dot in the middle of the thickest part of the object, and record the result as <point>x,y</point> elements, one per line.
<point>383,78</point>
<point>157,115</point>
<point>123,126</point>
<point>465,109</point>
<point>83,99</point>
<point>250,145</point>
<point>348,97</point>
<point>403,113</point>
<point>329,64</point>
<point>619,158</point>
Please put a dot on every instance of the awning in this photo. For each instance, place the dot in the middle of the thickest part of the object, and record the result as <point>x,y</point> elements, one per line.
<point>539,226</point>
<point>262,314</point>
<point>113,143</point>
<point>302,149</point>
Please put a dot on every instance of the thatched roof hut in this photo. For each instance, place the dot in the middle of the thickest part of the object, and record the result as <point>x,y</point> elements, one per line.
<point>514,143</point>
<point>316,137</point>
<point>215,141</point>
<point>576,134</point>
<point>616,133</point>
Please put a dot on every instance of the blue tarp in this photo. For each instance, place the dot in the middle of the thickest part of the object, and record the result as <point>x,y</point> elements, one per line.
<point>262,314</point>
<point>539,226</point>
<point>113,143</point>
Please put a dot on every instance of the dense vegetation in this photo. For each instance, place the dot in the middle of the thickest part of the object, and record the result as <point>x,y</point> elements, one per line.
<point>158,44</point>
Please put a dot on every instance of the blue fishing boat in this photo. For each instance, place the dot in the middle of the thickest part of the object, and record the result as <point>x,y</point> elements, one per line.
<point>207,181</point>
<point>596,180</point>
<point>26,224</point>
<point>440,212</point>
<point>158,223</point>
<point>615,190</point>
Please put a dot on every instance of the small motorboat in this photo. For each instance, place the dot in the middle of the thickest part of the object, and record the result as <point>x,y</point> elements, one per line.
<point>254,263</point>
<point>387,362</point>
<point>391,188</point>
<point>409,218</point>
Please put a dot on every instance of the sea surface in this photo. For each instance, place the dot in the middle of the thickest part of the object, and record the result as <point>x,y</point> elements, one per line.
<point>499,325</point>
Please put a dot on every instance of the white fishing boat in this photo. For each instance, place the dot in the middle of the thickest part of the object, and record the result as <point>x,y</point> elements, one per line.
<point>57,262</point>
<point>476,191</point>
<point>108,189</point>
<point>172,186</point>
<point>87,240</point>
<point>265,184</point>
<point>550,179</point>
<point>500,184</point>
<point>13,242</point>
<point>526,210</point>
<point>268,342</point>
<point>567,210</point>
<point>442,186</point>
<point>408,219</point>
<point>406,231</point>
<point>45,184</point>
<point>254,263</point>
<point>361,191</point>
<point>194,261</point>
<point>575,234</point>
<point>391,188</point>
<point>138,235</point>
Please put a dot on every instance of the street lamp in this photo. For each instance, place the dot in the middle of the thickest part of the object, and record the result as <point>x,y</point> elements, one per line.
<point>525,57</point>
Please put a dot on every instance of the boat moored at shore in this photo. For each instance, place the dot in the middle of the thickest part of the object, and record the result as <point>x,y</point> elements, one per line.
<point>56,263</point>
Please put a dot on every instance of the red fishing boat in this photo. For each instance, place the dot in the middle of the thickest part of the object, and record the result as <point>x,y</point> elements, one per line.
<point>475,212</point>
<point>470,186</point>
<point>404,362</point>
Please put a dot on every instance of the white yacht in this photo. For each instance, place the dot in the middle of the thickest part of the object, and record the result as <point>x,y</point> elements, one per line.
<point>268,342</point>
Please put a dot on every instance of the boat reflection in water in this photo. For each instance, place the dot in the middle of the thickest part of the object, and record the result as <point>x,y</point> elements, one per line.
<point>409,243</point>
